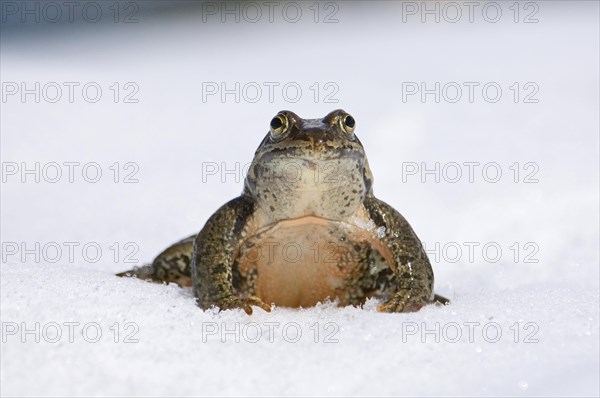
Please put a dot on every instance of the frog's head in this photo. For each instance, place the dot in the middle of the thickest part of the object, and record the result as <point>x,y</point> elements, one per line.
<point>310,167</point>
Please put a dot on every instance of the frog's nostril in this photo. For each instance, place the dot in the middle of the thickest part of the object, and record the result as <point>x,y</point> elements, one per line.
<point>317,144</point>
<point>316,138</point>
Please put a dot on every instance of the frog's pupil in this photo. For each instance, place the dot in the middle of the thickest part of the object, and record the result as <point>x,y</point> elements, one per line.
<point>349,121</point>
<point>276,123</point>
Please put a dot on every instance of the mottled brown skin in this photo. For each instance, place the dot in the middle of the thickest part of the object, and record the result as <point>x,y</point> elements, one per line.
<point>308,192</point>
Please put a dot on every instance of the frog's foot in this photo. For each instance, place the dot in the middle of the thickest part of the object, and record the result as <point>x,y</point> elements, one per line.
<point>402,301</point>
<point>244,303</point>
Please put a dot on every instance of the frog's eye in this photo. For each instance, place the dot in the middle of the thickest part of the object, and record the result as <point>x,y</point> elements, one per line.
<point>279,125</point>
<point>347,123</point>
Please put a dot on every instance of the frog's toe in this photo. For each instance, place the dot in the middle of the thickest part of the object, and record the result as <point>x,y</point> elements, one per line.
<point>259,303</point>
<point>245,303</point>
<point>440,300</point>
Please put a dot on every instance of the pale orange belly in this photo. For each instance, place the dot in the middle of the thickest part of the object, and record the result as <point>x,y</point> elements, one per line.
<point>304,261</point>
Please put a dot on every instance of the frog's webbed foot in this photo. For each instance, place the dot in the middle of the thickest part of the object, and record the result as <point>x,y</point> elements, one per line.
<point>403,301</point>
<point>245,303</point>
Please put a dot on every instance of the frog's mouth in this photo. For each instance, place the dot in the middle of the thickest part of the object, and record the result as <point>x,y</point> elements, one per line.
<point>309,174</point>
<point>309,152</point>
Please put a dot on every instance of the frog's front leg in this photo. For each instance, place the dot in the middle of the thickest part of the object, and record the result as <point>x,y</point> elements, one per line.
<point>410,263</point>
<point>213,258</point>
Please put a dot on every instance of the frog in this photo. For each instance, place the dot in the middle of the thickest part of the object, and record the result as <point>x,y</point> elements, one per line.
<point>306,229</point>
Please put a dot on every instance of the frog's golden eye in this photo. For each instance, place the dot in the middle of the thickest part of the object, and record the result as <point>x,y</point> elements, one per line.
<point>279,125</point>
<point>347,123</point>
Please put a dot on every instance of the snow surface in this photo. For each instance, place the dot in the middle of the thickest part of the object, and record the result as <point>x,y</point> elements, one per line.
<point>546,311</point>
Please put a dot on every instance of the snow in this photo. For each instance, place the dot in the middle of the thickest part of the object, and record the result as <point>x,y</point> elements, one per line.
<point>181,350</point>
<point>540,291</point>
